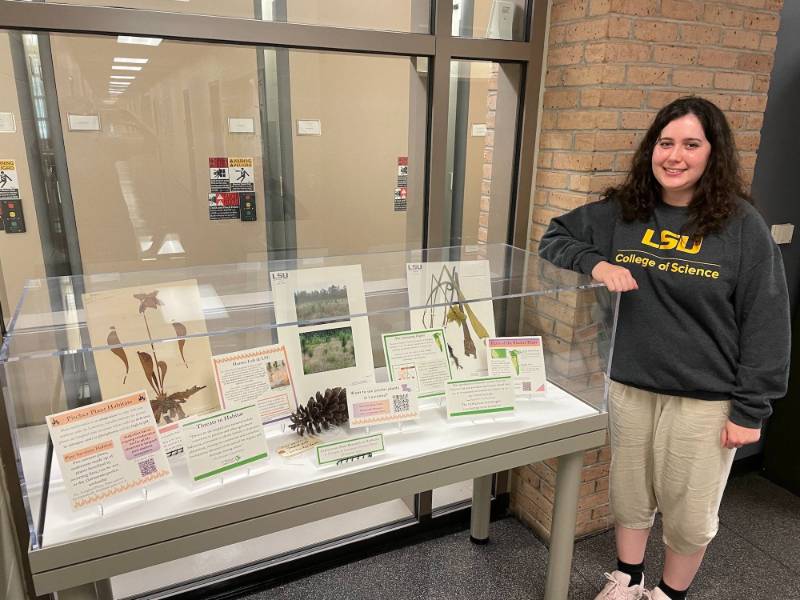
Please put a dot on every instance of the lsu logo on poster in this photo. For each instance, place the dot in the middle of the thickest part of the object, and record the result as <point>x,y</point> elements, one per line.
<point>671,241</point>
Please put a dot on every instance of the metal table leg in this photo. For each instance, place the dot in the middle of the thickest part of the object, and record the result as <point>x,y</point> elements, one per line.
<point>562,533</point>
<point>481,505</point>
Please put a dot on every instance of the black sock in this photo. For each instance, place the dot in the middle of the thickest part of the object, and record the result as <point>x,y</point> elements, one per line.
<point>635,571</point>
<point>673,594</point>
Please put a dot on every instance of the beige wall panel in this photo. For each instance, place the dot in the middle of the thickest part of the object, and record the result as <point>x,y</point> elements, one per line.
<point>20,253</point>
<point>345,178</point>
<point>226,8</point>
<point>385,15</point>
<point>141,183</point>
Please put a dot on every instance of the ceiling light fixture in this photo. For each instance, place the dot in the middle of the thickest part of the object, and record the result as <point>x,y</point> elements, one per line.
<point>143,41</point>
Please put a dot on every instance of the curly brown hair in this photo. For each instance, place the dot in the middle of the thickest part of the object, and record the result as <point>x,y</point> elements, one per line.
<point>715,195</point>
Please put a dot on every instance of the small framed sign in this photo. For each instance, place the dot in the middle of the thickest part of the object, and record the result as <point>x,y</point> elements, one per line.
<point>241,125</point>
<point>83,122</point>
<point>309,127</point>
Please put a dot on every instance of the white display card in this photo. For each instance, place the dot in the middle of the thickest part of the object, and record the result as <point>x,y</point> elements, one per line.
<point>259,376</point>
<point>223,441</point>
<point>326,348</point>
<point>480,397</point>
<point>350,450</point>
<point>298,446</point>
<point>421,356</point>
<point>456,296</point>
<point>377,403</point>
<point>523,359</point>
<point>107,448</point>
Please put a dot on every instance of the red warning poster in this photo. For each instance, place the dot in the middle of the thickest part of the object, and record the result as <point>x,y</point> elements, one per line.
<point>218,174</point>
<point>223,205</point>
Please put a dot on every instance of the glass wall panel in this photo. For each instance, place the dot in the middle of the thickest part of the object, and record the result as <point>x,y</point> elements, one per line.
<point>358,131</point>
<point>490,19</point>
<point>133,139</point>
<point>482,136</point>
<point>140,175</point>
<point>408,16</point>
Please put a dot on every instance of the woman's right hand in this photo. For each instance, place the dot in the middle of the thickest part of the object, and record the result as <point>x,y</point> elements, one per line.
<point>617,279</point>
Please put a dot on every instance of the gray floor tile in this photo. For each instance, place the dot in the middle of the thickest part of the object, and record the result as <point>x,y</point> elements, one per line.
<point>756,556</point>
<point>766,515</point>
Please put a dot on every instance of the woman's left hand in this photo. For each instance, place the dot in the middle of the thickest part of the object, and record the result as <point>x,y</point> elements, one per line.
<point>736,436</point>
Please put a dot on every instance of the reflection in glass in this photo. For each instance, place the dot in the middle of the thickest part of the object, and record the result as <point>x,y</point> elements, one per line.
<point>408,16</point>
<point>490,19</point>
<point>481,150</point>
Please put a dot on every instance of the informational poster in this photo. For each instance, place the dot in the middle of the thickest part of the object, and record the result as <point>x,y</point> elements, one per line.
<point>419,356</point>
<point>326,348</point>
<point>241,173</point>
<point>219,175</point>
<point>178,373</point>
<point>457,297</point>
<point>480,397</point>
<point>223,441</point>
<point>342,452</point>
<point>13,219</point>
<point>9,183</point>
<point>107,448</point>
<point>247,205</point>
<point>401,190</point>
<point>223,205</point>
<point>259,376</point>
<point>523,359</point>
<point>378,403</point>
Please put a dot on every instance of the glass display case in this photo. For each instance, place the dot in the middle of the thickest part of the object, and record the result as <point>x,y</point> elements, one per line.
<point>157,414</point>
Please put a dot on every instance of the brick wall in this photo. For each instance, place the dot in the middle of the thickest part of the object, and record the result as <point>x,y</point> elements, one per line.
<point>611,64</point>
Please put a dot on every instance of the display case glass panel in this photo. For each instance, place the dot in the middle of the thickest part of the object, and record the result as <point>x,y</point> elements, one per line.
<point>77,342</point>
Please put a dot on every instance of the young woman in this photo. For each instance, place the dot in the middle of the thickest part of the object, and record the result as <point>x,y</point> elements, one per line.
<point>702,341</point>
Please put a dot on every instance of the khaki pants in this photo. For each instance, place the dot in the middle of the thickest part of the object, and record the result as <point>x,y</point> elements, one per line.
<point>667,456</point>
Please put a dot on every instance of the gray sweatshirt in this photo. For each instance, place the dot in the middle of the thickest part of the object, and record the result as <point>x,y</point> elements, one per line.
<point>710,320</point>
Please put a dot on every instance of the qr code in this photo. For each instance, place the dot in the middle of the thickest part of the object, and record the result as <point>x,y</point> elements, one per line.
<point>147,467</point>
<point>400,403</point>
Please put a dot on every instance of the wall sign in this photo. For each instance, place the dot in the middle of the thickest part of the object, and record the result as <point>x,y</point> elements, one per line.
<point>241,125</point>
<point>7,124</point>
<point>401,191</point>
<point>13,220</point>
<point>309,127</point>
<point>478,129</point>
<point>83,122</point>
<point>9,182</point>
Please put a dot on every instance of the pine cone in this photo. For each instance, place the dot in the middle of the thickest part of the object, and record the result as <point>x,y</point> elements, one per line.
<point>321,412</point>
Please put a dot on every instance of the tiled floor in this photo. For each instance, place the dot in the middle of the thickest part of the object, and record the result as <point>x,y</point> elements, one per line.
<point>756,556</point>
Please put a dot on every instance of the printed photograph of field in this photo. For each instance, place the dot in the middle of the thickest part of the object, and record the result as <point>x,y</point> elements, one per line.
<point>327,350</point>
<point>278,374</point>
<point>322,303</point>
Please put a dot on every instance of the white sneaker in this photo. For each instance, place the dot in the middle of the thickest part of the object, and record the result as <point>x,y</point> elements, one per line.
<point>657,594</point>
<point>617,588</point>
